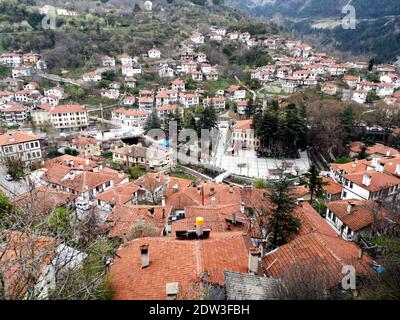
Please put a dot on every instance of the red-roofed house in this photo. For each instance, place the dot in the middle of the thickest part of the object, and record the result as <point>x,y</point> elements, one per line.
<point>243,135</point>
<point>86,146</point>
<point>319,247</point>
<point>166,268</point>
<point>370,185</point>
<point>19,146</point>
<point>69,117</point>
<point>353,219</point>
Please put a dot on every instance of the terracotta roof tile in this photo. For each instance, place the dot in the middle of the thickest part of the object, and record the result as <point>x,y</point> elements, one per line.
<point>16,137</point>
<point>171,260</point>
<point>362,214</point>
<point>123,217</point>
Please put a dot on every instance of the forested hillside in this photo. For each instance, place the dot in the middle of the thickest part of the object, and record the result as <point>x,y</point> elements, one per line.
<point>106,28</point>
<point>377,32</point>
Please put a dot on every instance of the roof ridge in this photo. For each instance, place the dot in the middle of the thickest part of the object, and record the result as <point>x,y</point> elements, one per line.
<point>317,235</point>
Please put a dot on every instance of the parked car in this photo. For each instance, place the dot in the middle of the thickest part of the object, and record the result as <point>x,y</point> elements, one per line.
<point>9,177</point>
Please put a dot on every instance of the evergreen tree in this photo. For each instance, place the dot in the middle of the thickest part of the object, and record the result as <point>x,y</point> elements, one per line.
<point>363,152</point>
<point>250,110</point>
<point>371,64</point>
<point>175,116</point>
<point>347,120</point>
<point>208,119</point>
<point>152,122</point>
<point>314,182</point>
<point>280,220</point>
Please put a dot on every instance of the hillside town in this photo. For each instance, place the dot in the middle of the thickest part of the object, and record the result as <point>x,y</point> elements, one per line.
<point>92,198</point>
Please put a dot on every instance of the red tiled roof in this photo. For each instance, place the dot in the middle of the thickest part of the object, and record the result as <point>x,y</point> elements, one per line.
<point>68,108</point>
<point>167,108</point>
<point>83,141</point>
<point>179,182</point>
<point>42,200</point>
<point>379,181</point>
<point>72,162</point>
<point>119,195</point>
<point>214,218</point>
<point>14,108</point>
<point>351,167</point>
<point>243,125</point>
<point>23,257</point>
<point>362,215</point>
<point>328,254</point>
<point>124,217</point>
<point>332,187</point>
<point>152,180</point>
<point>381,149</point>
<point>16,137</point>
<point>172,260</point>
<point>202,195</point>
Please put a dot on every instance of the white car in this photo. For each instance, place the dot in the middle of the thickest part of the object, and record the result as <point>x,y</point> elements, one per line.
<point>9,177</point>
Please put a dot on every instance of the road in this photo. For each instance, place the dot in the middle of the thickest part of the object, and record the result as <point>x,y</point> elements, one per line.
<point>56,78</point>
<point>246,87</point>
<point>246,163</point>
<point>76,82</point>
<point>11,188</point>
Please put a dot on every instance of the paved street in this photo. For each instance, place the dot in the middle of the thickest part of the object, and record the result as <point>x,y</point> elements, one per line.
<point>246,163</point>
<point>11,188</point>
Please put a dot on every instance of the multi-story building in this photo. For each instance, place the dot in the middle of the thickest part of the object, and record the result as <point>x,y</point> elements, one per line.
<point>86,146</point>
<point>20,146</point>
<point>243,136</point>
<point>371,185</point>
<point>15,113</point>
<point>153,157</point>
<point>69,117</point>
<point>130,117</point>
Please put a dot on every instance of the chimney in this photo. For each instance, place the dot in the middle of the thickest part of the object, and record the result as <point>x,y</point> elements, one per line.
<point>163,201</point>
<point>198,190</point>
<point>87,162</point>
<point>10,137</point>
<point>71,175</point>
<point>172,289</point>
<point>158,178</point>
<point>120,174</point>
<point>360,253</point>
<point>254,254</point>
<point>144,254</point>
<point>231,189</point>
<point>350,206</point>
<point>388,153</point>
<point>175,188</point>
<point>213,202</point>
<point>199,226</point>
<point>242,207</point>
<point>381,166</point>
<point>366,181</point>
<point>234,217</point>
<point>212,191</point>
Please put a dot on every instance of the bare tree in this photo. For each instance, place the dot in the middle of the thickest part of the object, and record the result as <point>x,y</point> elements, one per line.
<point>307,280</point>
<point>51,255</point>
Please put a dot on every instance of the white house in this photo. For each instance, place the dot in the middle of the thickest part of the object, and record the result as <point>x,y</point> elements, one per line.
<point>165,71</point>
<point>154,53</point>
<point>92,77</point>
<point>20,146</point>
<point>370,185</point>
